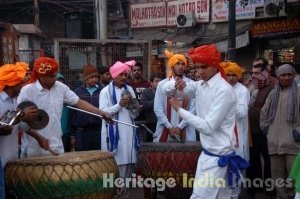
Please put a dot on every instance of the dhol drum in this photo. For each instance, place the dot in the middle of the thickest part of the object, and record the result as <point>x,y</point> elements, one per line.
<point>171,160</point>
<point>69,175</point>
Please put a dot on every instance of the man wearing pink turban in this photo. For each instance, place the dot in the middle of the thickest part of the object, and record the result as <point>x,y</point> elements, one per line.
<point>215,120</point>
<point>119,100</point>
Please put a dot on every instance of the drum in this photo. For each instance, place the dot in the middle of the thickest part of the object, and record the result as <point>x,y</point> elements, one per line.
<point>171,160</point>
<point>69,175</point>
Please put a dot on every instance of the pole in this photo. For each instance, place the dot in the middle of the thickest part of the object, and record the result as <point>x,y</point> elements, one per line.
<point>36,13</point>
<point>101,23</point>
<point>231,31</point>
<point>118,121</point>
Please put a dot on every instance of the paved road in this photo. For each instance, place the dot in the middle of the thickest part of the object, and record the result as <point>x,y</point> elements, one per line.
<point>139,194</point>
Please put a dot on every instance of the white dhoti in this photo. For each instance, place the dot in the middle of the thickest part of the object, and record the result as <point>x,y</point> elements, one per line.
<point>210,179</point>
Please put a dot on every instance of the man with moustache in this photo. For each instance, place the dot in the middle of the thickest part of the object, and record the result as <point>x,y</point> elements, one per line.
<point>280,119</point>
<point>122,140</point>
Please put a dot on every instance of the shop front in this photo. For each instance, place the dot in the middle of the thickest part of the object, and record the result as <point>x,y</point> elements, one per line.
<point>276,40</point>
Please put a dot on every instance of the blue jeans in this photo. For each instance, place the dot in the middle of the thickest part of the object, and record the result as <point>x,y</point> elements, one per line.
<point>2,191</point>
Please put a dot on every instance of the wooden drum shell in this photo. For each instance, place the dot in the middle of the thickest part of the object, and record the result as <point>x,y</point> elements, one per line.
<point>69,175</point>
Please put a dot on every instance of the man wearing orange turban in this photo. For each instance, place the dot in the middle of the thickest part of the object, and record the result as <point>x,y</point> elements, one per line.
<point>233,73</point>
<point>168,122</point>
<point>215,120</point>
<point>12,78</point>
<point>50,95</point>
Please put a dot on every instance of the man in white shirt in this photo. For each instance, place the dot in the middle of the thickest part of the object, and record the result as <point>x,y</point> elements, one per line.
<point>168,121</point>
<point>215,120</point>
<point>50,95</point>
<point>233,74</point>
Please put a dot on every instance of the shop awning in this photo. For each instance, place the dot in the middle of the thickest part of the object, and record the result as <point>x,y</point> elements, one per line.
<point>200,34</point>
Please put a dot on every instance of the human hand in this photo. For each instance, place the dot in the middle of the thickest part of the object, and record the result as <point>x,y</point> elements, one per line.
<point>106,116</point>
<point>180,84</point>
<point>30,113</point>
<point>5,130</point>
<point>175,103</point>
<point>124,101</point>
<point>43,142</point>
<point>174,131</point>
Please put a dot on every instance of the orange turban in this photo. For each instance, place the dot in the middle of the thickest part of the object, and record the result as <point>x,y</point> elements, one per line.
<point>174,59</point>
<point>43,66</point>
<point>233,67</point>
<point>12,74</point>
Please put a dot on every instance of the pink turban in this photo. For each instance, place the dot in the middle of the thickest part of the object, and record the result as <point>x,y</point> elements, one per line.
<point>120,67</point>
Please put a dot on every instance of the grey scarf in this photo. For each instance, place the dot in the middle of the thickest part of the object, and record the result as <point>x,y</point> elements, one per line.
<point>291,103</point>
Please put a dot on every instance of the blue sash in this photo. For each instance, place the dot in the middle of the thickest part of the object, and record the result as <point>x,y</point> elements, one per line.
<point>235,164</point>
<point>114,135</point>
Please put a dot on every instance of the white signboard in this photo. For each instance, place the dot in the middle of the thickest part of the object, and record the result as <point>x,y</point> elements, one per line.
<point>199,7</point>
<point>220,10</point>
<point>162,14</point>
<point>148,15</point>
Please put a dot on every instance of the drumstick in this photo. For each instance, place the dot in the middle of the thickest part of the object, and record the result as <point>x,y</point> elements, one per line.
<point>118,121</point>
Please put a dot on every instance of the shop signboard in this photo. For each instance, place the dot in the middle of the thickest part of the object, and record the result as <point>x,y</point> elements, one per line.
<point>164,14</point>
<point>200,8</point>
<point>275,28</point>
<point>148,15</point>
<point>220,9</point>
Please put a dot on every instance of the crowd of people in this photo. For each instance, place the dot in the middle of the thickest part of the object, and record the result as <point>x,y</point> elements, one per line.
<point>247,121</point>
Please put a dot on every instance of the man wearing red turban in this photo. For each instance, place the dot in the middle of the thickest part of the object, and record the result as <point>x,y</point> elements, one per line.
<point>215,120</point>
<point>50,95</point>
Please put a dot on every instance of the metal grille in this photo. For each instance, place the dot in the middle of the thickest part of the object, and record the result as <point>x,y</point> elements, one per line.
<point>73,54</point>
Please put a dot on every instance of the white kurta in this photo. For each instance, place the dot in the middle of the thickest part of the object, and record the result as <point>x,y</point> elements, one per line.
<point>241,118</point>
<point>52,102</point>
<point>215,120</point>
<point>8,143</point>
<point>125,152</point>
<point>160,109</point>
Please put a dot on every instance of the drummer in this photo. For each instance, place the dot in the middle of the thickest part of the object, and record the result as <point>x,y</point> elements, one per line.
<point>215,120</point>
<point>50,95</point>
<point>122,140</point>
<point>168,121</point>
<point>12,78</point>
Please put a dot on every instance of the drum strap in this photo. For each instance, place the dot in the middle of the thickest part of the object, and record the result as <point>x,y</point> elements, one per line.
<point>235,164</point>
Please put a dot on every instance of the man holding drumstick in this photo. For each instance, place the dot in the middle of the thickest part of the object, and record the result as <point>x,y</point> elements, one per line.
<point>50,95</point>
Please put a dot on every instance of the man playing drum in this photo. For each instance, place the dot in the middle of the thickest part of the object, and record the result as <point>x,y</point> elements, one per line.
<point>50,95</point>
<point>12,78</point>
<point>215,120</point>
<point>168,121</point>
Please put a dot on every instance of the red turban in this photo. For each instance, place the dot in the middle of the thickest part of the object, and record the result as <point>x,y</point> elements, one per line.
<point>207,54</point>
<point>43,66</point>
